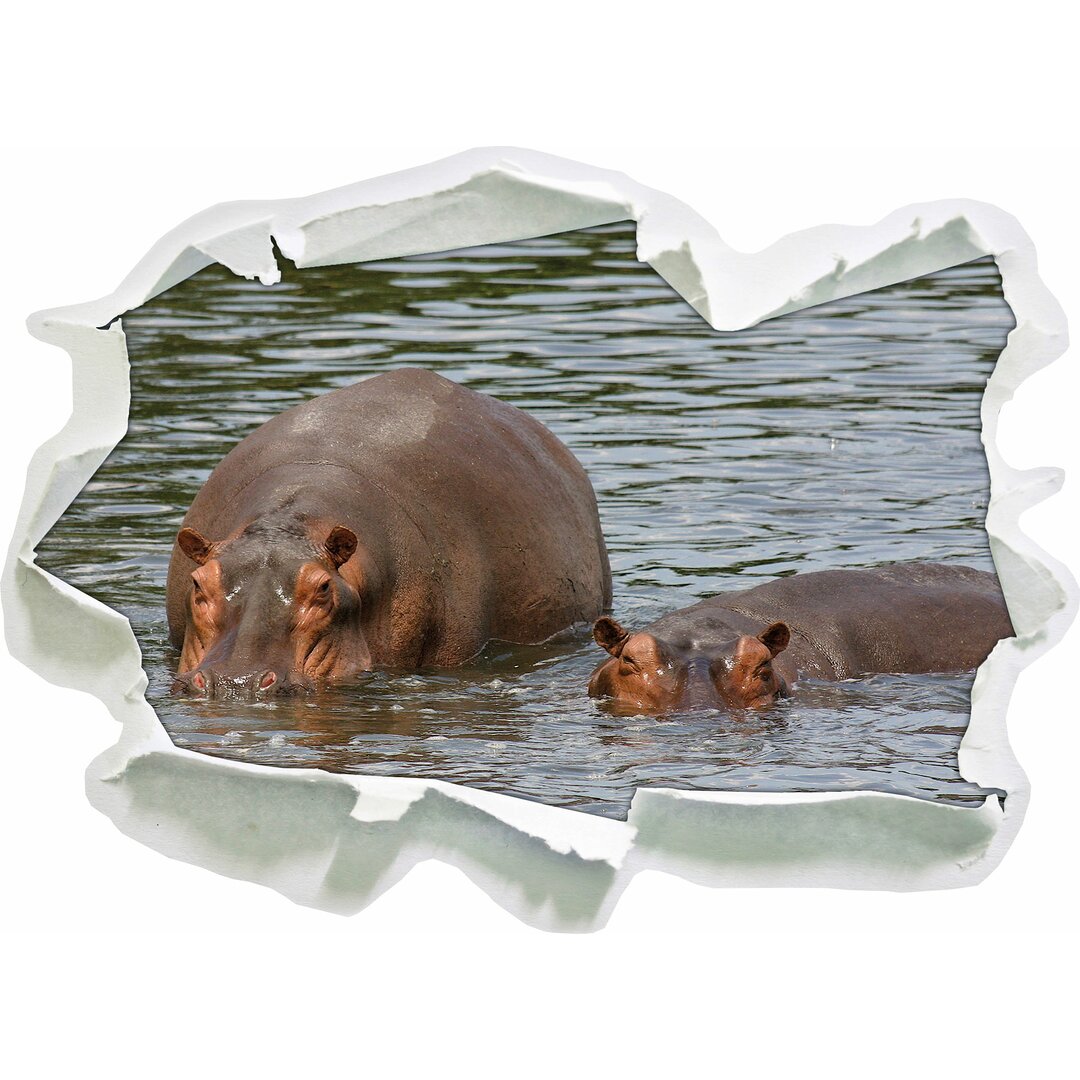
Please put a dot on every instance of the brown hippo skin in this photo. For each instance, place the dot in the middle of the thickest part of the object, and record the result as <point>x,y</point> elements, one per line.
<point>745,649</point>
<point>401,522</point>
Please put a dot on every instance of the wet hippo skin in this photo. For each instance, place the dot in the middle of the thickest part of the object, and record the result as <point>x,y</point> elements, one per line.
<point>745,649</point>
<point>401,522</point>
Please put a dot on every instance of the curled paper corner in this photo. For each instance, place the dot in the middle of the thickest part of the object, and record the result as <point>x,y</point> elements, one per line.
<point>337,841</point>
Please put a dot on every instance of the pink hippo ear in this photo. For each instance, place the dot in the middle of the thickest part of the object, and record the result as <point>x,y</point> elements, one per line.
<point>609,635</point>
<point>340,544</point>
<point>775,638</point>
<point>194,545</point>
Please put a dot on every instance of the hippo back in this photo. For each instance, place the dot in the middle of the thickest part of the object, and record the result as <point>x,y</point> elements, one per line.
<point>907,617</point>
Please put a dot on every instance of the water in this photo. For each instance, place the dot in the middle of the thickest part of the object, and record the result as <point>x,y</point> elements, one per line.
<point>842,436</point>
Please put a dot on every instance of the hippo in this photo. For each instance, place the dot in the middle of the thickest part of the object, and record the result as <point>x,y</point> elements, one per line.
<point>398,523</point>
<point>745,649</point>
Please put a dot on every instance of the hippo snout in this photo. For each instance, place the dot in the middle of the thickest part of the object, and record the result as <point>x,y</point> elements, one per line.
<point>699,688</point>
<point>249,686</point>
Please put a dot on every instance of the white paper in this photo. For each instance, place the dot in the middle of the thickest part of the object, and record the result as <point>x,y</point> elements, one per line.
<point>336,841</point>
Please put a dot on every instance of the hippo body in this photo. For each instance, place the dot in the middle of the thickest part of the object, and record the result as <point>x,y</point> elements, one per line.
<point>401,522</point>
<point>746,648</point>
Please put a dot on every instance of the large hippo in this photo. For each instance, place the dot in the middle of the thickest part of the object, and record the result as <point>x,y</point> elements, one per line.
<point>400,522</point>
<point>745,649</point>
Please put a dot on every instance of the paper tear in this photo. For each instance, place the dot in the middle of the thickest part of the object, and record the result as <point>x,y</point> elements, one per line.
<point>247,252</point>
<point>336,842</point>
<point>865,839</point>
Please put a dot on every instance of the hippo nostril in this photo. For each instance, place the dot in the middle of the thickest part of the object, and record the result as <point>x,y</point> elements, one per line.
<point>296,683</point>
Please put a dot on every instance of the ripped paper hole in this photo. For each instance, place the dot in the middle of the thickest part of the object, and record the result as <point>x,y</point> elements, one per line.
<point>337,840</point>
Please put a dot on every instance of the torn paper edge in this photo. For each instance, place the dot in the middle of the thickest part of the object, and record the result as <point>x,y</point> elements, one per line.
<point>337,841</point>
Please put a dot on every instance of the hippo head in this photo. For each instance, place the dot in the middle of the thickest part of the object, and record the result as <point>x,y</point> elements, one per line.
<point>270,610</point>
<point>647,674</point>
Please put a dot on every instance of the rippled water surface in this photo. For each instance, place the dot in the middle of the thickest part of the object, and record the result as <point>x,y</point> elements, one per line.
<point>842,436</point>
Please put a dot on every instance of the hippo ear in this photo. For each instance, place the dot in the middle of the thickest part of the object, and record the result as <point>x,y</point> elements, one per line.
<point>340,544</point>
<point>194,545</point>
<point>775,637</point>
<point>609,635</point>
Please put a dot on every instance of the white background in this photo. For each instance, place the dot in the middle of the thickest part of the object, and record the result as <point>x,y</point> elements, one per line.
<point>121,121</point>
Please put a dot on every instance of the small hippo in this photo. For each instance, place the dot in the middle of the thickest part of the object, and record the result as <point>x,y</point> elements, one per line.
<point>746,649</point>
<point>401,522</point>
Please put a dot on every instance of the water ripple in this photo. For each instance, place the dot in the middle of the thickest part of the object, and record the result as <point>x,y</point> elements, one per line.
<point>845,435</point>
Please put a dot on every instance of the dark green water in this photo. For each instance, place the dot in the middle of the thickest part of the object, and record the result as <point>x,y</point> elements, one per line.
<point>842,436</point>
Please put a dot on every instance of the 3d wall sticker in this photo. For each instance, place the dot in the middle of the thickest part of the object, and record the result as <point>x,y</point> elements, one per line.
<point>498,512</point>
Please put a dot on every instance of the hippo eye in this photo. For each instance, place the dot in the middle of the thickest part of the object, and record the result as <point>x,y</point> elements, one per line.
<point>323,589</point>
<point>765,672</point>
